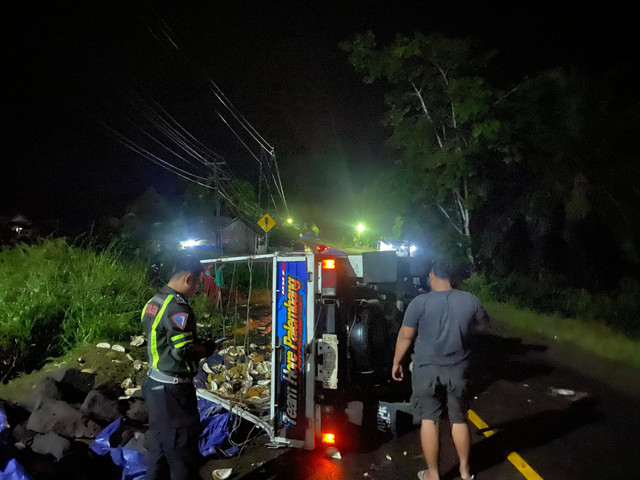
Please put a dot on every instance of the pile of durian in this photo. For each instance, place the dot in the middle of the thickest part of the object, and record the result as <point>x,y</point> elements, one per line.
<point>242,377</point>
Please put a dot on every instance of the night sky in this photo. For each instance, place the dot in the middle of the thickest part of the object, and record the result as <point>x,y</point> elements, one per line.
<point>72,67</point>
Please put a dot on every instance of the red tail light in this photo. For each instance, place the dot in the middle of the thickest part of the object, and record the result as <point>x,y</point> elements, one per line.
<point>328,438</point>
<point>329,276</point>
<point>329,264</point>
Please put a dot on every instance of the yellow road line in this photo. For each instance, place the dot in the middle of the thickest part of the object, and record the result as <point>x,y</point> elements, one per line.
<point>515,459</point>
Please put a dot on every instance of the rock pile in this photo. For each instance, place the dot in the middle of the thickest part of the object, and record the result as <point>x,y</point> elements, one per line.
<point>69,407</point>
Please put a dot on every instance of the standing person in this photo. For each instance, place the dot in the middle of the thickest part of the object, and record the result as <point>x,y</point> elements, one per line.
<point>442,320</point>
<point>173,350</point>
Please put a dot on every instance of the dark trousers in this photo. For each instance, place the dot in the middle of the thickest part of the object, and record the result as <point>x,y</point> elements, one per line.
<point>174,429</point>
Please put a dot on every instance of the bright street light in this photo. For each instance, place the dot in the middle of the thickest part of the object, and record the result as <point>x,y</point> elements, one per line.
<point>361,228</point>
<point>289,220</point>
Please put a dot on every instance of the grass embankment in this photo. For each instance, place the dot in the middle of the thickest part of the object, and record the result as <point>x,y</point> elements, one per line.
<point>592,337</point>
<point>54,296</point>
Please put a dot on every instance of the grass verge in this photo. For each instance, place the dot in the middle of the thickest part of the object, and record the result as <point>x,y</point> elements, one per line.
<point>591,337</point>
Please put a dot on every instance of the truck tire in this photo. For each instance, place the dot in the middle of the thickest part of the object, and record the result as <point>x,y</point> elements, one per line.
<point>369,340</point>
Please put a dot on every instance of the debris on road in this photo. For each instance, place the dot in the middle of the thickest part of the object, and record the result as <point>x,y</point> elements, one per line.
<point>104,345</point>
<point>563,392</point>
<point>333,452</point>
<point>221,473</point>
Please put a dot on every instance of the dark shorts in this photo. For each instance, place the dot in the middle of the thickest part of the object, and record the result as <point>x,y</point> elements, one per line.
<point>435,386</point>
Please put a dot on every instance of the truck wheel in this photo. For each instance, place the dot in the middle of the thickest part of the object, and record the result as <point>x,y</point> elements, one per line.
<point>369,340</point>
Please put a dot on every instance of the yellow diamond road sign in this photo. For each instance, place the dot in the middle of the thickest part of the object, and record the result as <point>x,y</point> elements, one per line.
<point>266,222</point>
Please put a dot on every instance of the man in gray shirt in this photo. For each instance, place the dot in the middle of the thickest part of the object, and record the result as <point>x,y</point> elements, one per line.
<point>442,319</point>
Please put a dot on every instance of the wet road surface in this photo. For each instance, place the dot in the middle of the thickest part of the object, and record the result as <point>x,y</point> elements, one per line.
<point>568,415</point>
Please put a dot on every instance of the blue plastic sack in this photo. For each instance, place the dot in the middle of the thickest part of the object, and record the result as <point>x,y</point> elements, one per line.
<point>214,434</point>
<point>11,470</point>
<point>132,462</point>
<point>216,426</point>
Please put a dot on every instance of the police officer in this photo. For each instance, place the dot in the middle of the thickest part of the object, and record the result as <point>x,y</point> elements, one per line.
<point>173,350</point>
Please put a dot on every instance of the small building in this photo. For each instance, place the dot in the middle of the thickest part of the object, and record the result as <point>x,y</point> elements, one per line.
<point>240,236</point>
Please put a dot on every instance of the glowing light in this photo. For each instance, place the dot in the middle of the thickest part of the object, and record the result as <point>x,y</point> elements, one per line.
<point>385,247</point>
<point>328,438</point>
<point>361,228</point>
<point>189,243</point>
<point>289,221</point>
<point>412,248</point>
<point>329,264</point>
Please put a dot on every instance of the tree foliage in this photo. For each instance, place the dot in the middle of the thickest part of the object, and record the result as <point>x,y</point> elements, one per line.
<point>542,176</point>
<point>441,111</point>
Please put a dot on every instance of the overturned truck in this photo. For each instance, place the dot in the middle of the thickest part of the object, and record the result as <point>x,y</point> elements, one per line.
<point>327,358</point>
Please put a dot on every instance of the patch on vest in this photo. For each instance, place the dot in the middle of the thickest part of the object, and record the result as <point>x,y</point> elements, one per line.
<point>180,319</point>
<point>152,309</point>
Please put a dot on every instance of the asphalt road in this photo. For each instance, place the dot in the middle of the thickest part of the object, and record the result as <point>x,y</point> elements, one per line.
<point>528,429</point>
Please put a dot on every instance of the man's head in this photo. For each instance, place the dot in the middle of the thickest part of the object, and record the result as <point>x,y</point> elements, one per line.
<point>440,274</point>
<point>186,275</point>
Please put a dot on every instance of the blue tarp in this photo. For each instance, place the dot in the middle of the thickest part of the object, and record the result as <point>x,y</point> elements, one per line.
<point>216,425</point>
<point>132,462</point>
<point>10,469</point>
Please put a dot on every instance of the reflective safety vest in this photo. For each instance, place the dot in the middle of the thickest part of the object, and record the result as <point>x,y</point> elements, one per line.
<point>170,327</point>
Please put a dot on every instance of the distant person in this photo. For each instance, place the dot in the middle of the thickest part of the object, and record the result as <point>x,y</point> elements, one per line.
<point>173,350</point>
<point>442,319</point>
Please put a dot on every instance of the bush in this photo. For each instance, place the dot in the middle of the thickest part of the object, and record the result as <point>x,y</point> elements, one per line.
<point>480,286</point>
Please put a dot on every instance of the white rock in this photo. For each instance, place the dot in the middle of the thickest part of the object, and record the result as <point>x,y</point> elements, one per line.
<point>130,391</point>
<point>118,348</point>
<point>103,345</point>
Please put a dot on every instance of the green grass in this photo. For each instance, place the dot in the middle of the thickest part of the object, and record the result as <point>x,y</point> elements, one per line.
<point>54,296</point>
<point>592,337</point>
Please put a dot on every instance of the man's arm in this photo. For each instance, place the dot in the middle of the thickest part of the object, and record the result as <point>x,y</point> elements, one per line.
<point>482,320</point>
<point>403,342</point>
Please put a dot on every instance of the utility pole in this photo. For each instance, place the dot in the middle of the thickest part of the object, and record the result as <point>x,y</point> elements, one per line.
<point>216,185</point>
<point>266,235</point>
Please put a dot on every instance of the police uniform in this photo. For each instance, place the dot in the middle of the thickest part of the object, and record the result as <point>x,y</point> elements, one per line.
<point>174,423</point>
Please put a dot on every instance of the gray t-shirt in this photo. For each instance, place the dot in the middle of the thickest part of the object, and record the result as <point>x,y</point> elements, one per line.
<point>443,320</point>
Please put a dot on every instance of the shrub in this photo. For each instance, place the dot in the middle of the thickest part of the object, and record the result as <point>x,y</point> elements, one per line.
<point>480,286</point>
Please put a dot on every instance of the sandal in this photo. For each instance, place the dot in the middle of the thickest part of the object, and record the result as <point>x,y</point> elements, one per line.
<point>421,474</point>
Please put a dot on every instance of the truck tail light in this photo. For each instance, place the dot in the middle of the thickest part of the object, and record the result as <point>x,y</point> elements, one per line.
<point>329,276</point>
<point>329,264</point>
<point>328,438</point>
